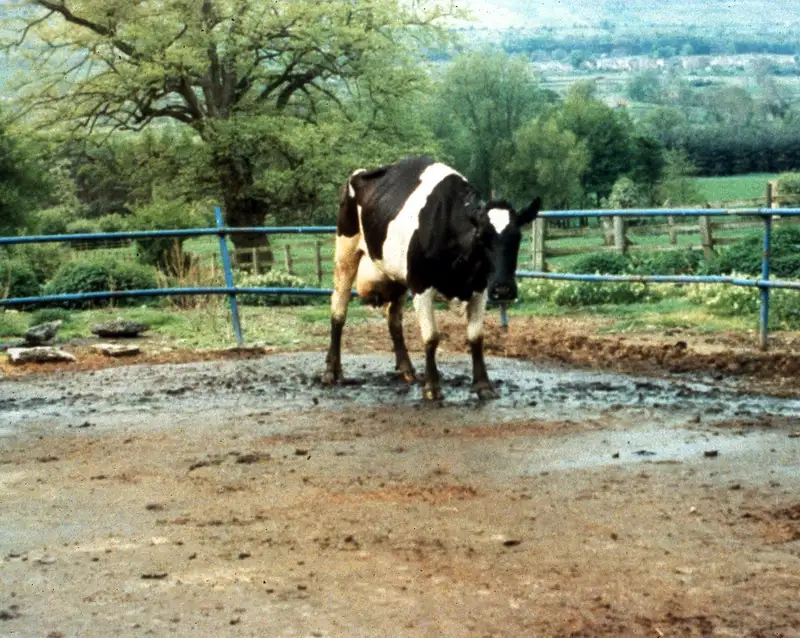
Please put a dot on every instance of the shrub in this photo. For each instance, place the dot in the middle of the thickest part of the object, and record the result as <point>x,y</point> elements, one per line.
<point>671,262</point>
<point>584,293</point>
<point>276,279</point>
<point>80,226</point>
<point>53,221</point>
<point>100,275</point>
<point>114,223</point>
<point>745,255</point>
<point>787,188</point>
<point>46,315</point>
<point>606,263</point>
<point>17,279</point>
<point>734,301</point>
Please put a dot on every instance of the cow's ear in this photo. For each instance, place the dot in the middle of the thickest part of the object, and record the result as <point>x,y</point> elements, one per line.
<point>527,215</point>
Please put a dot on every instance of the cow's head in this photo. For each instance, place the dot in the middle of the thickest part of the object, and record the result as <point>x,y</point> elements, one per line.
<point>499,231</point>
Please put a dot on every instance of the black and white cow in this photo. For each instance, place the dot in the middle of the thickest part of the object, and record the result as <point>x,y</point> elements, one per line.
<point>418,225</point>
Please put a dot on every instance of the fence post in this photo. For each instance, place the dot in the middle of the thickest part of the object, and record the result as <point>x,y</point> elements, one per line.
<point>705,236</point>
<point>765,264</point>
<point>620,243</point>
<point>538,237</point>
<point>318,260</point>
<point>226,264</point>
<point>673,234</point>
<point>287,258</point>
<point>254,260</point>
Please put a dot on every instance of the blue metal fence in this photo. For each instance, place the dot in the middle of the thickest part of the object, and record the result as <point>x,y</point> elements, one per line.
<point>231,290</point>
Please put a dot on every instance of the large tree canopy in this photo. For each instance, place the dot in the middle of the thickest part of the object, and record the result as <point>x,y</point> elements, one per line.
<point>256,81</point>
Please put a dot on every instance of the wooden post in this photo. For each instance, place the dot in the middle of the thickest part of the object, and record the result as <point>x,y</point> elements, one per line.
<point>706,237</point>
<point>771,203</point>
<point>318,260</point>
<point>214,258</point>
<point>254,261</point>
<point>287,255</point>
<point>620,242</point>
<point>673,234</point>
<point>539,235</point>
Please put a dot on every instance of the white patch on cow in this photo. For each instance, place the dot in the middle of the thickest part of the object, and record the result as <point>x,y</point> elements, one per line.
<point>402,227</point>
<point>350,190</point>
<point>423,304</point>
<point>476,310</point>
<point>499,218</point>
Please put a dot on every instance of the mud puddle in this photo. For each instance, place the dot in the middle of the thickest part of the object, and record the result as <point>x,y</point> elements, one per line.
<point>290,382</point>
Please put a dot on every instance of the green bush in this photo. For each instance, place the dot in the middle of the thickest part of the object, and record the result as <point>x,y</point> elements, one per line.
<point>114,223</point>
<point>735,301</point>
<point>80,226</point>
<point>787,189</point>
<point>745,255</point>
<point>54,221</point>
<point>606,263</point>
<point>17,279</point>
<point>46,315</point>
<point>276,279</point>
<point>43,259</point>
<point>100,274</point>
<point>584,293</point>
<point>671,262</point>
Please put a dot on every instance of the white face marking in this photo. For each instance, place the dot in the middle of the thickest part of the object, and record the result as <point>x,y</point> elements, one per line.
<point>423,304</point>
<point>499,218</point>
<point>402,227</point>
<point>476,310</point>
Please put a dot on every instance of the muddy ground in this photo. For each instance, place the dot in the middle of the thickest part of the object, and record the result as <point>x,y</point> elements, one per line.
<point>619,486</point>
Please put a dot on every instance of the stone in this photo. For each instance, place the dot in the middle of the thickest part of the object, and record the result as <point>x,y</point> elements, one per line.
<point>116,349</point>
<point>120,329</point>
<point>39,354</point>
<point>41,334</point>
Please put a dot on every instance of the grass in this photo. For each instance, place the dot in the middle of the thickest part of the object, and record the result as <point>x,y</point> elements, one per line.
<point>735,187</point>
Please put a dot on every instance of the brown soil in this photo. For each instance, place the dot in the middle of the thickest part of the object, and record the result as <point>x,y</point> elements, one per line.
<point>272,517</point>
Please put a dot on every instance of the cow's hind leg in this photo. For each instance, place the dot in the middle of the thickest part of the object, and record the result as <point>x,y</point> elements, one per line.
<point>395,316</point>
<point>423,304</point>
<point>476,310</point>
<point>346,267</point>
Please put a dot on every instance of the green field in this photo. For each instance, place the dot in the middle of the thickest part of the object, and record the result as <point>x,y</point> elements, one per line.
<point>735,187</point>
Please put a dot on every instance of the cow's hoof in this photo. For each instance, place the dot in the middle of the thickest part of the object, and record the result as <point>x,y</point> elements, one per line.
<point>409,376</point>
<point>432,392</point>
<point>331,377</point>
<point>485,391</point>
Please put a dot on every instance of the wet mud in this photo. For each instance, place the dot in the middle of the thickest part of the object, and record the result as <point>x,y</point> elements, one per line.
<point>241,497</point>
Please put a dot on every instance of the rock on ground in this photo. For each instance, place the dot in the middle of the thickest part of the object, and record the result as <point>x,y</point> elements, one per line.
<point>39,354</point>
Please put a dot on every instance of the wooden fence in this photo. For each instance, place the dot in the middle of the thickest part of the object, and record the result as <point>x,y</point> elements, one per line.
<point>304,258</point>
<point>619,234</point>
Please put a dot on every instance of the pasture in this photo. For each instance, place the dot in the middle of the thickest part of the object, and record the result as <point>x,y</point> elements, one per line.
<point>623,484</point>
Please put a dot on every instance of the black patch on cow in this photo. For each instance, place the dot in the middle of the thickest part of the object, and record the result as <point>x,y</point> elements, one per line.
<point>347,224</point>
<point>382,193</point>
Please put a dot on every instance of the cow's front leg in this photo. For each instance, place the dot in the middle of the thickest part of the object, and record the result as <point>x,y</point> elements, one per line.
<point>402,360</point>
<point>476,310</point>
<point>430,338</point>
<point>345,269</point>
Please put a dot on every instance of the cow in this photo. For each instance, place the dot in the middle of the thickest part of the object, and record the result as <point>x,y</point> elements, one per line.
<point>418,225</point>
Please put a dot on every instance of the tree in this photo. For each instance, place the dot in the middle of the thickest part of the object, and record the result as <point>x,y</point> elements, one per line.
<point>244,76</point>
<point>607,134</point>
<point>676,187</point>
<point>23,181</point>
<point>483,99</point>
<point>544,160</point>
<point>645,87</point>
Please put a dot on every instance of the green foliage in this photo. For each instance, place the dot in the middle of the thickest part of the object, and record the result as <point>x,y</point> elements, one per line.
<point>736,301</point>
<point>606,263</point>
<point>17,279</point>
<point>113,223</point>
<point>53,221</point>
<point>585,293</point>
<point>80,226</point>
<point>483,99</point>
<point>676,188</point>
<point>46,315</point>
<point>100,274</point>
<point>543,160</point>
<point>275,279</point>
<point>43,259</point>
<point>787,189</point>
<point>645,87</point>
<point>746,255</point>
<point>23,183</point>
<point>668,262</point>
<point>625,194</point>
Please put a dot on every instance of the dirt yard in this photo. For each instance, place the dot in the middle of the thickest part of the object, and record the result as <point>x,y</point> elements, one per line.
<point>632,486</point>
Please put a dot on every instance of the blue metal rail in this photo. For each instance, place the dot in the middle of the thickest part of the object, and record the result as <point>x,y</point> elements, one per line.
<point>231,290</point>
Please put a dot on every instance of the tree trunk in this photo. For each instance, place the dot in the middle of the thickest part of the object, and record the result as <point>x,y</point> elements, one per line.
<point>242,208</point>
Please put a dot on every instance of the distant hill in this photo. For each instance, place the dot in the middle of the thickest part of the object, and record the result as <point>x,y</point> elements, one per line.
<point>738,14</point>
